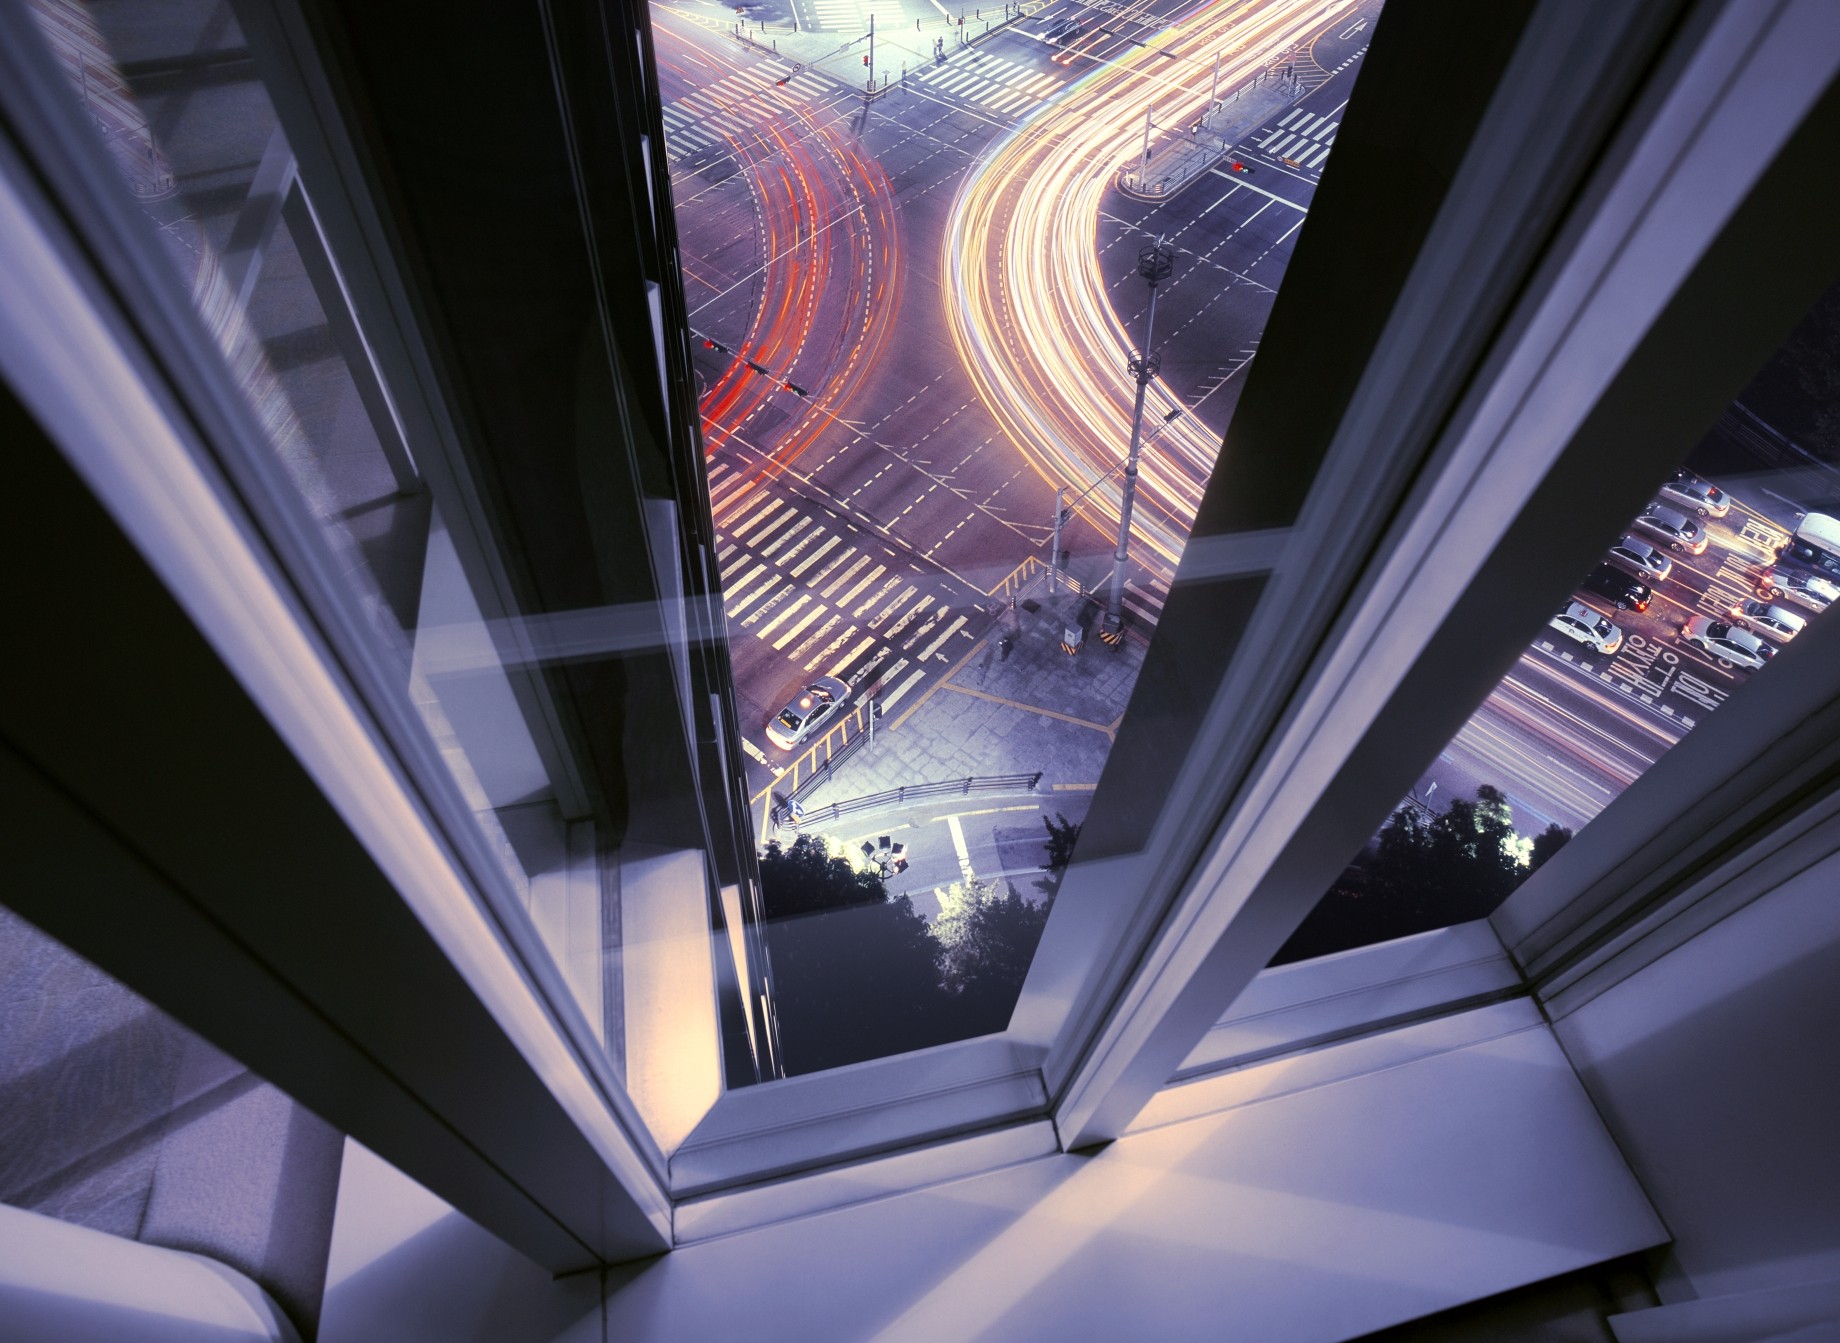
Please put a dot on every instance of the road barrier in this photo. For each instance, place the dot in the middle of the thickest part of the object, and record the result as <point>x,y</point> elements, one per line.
<point>895,797</point>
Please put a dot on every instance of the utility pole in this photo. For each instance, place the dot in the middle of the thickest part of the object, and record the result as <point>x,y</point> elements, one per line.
<point>1147,145</point>
<point>872,51</point>
<point>1154,264</point>
<point>1054,560</point>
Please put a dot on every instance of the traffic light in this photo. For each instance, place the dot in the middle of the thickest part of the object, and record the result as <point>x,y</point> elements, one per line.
<point>1239,167</point>
<point>865,59</point>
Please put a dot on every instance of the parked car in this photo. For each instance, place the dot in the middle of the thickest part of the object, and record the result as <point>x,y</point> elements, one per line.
<point>1629,594</point>
<point>1588,627</point>
<point>1728,645</point>
<point>1704,498</point>
<point>1770,621</point>
<point>1641,559</point>
<point>1780,584</point>
<point>814,706</point>
<point>1673,529</point>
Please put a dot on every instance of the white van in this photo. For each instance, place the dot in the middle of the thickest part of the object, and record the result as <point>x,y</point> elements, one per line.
<point>1815,543</point>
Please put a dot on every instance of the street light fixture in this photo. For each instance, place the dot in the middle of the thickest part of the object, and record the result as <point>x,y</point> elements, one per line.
<point>1155,264</point>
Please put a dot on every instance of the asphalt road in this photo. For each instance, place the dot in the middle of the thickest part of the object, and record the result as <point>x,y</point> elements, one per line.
<point>850,440</point>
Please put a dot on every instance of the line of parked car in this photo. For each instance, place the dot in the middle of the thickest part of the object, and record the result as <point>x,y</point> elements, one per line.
<point>1805,574</point>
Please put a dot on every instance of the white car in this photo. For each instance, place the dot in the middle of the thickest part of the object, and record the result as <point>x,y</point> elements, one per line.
<point>1779,584</point>
<point>1728,645</point>
<point>813,707</point>
<point>1588,627</point>
<point>1770,621</point>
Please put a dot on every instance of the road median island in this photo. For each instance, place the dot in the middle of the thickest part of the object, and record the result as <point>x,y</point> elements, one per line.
<point>1183,155</point>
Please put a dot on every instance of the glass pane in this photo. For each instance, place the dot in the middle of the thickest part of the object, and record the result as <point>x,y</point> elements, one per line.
<point>1738,551</point>
<point>513,653</point>
<point>923,257</point>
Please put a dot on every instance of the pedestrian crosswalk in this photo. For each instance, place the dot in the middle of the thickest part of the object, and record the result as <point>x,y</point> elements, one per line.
<point>830,599</point>
<point>1000,85</point>
<point>1299,138</point>
<point>731,109</point>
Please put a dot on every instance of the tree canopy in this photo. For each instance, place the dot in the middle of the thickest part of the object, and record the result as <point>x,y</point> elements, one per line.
<point>1426,870</point>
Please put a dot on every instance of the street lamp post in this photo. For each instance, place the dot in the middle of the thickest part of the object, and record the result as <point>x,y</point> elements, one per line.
<point>1154,264</point>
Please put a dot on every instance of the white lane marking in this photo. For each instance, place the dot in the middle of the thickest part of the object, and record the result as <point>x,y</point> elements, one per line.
<point>964,852</point>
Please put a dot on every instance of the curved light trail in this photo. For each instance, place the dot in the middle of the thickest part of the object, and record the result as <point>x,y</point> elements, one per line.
<point>825,295</point>
<point>1026,302</point>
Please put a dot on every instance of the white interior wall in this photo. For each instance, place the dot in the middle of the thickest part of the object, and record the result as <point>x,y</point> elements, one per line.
<point>1717,1070</point>
<point>1459,1160</point>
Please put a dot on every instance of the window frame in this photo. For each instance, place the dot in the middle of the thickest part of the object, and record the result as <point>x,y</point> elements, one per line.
<point>1306,773</point>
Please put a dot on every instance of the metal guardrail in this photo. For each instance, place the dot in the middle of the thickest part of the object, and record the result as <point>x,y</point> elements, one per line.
<point>913,792</point>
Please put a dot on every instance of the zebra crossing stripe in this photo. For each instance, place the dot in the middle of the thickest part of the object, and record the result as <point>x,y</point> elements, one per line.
<point>874,574</point>
<point>843,578</point>
<point>742,529</point>
<point>887,611</point>
<point>1328,130</point>
<point>812,639</point>
<point>829,648</point>
<point>831,566</point>
<point>1010,103</point>
<point>798,527</point>
<point>797,629</point>
<point>791,609</point>
<point>1316,160</point>
<point>1279,149</point>
<point>950,630</point>
<point>773,526</point>
<point>888,700</point>
<point>851,656</point>
<point>723,554</point>
<point>1292,115</point>
<point>799,569</point>
<point>734,611</point>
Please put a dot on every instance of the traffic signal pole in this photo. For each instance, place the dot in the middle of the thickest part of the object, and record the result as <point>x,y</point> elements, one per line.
<point>1154,264</point>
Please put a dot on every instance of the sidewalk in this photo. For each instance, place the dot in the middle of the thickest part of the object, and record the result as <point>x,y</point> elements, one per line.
<point>1179,156</point>
<point>838,56</point>
<point>1035,709</point>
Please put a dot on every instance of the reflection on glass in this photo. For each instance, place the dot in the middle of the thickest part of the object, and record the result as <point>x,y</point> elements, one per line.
<point>1738,551</point>
<point>512,698</point>
<point>943,284</point>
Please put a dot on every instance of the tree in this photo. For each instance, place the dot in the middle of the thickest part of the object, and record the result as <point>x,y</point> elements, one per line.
<point>1427,871</point>
<point>1059,844</point>
<point>857,982</point>
<point>1545,844</point>
<point>988,934</point>
<point>805,879</point>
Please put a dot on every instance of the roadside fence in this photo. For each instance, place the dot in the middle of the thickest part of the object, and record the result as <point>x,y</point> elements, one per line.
<point>895,797</point>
